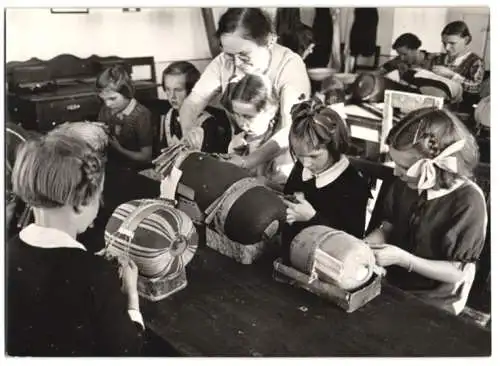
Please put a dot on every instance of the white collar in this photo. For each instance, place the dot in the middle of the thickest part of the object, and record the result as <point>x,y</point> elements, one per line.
<point>128,109</point>
<point>436,193</point>
<point>329,175</point>
<point>48,238</point>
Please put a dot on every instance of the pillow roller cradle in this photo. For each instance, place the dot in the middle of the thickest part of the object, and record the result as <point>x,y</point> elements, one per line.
<point>331,264</point>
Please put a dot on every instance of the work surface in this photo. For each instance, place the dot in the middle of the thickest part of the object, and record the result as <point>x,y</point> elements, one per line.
<point>230,309</point>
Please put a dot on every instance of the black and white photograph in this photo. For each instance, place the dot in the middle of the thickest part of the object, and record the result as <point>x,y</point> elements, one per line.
<point>261,182</point>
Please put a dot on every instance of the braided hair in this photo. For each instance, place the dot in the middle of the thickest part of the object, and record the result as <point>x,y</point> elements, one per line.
<point>431,130</point>
<point>58,170</point>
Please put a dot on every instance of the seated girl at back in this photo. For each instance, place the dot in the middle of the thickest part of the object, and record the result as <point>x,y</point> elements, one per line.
<point>178,80</point>
<point>63,300</point>
<point>129,122</point>
<point>434,216</point>
<point>327,189</point>
<point>253,115</point>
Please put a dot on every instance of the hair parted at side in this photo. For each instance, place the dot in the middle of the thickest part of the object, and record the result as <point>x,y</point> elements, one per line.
<point>431,130</point>
<point>182,68</point>
<point>254,89</point>
<point>457,28</point>
<point>117,79</point>
<point>254,22</point>
<point>408,40</point>
<point>57,170</point>
<point>315,125</point>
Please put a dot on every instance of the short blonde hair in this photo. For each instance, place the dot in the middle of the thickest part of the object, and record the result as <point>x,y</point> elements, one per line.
<point>55,171</point>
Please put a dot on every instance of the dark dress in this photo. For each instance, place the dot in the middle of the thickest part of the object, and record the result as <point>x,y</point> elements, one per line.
<point>363,36</point>
<point>341,204</point>
<point>216,128</point>
<point>65,302</point>
<point>133,129</point>
<point>448,228</point>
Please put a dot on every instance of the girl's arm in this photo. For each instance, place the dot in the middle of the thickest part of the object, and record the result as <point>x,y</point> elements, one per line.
<point>472,83</point>
<point>144,133</point>
<point>144,155</point>
<point>444,271</point>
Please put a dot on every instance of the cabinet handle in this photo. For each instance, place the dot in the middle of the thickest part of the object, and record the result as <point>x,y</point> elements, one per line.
<point>53,123</point>
<point>73,107</point>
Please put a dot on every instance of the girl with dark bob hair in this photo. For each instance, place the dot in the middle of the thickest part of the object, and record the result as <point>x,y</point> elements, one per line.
<point>325,188</point>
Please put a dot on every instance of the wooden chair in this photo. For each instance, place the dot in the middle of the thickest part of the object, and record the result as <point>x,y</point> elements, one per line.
<point>374,172</point>
<point>361,67</point>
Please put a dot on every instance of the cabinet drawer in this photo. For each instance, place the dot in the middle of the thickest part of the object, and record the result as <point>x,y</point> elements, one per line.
<point>51,113</point>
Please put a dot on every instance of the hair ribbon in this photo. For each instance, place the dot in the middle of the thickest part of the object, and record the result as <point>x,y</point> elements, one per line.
<point>425,169</point>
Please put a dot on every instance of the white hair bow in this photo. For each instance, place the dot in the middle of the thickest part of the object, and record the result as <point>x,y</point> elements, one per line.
<point>425,169</point>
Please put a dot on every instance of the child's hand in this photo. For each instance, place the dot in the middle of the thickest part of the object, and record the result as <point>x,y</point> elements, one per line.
<point>388,255</point>
<point>114,143</point>
<point>128,273</point>
<point>300,211</point>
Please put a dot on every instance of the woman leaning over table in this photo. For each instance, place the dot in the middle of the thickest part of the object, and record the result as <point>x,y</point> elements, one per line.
<point>248,44</point>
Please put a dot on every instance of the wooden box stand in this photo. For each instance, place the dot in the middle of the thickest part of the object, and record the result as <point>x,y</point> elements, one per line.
<point>347,300</point>
<point>244,254</point>
<point>160,288</point>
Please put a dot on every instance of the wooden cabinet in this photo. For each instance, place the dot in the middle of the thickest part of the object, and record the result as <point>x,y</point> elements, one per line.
<point>43,112</point>
<point>64,96</point>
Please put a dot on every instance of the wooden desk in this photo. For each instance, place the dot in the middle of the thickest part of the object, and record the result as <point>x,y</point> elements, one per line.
<point>42,94</point>
<point>229,309</point>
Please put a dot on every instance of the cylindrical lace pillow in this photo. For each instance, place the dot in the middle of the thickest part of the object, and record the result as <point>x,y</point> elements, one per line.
<point>240,207</point>
<point>333,255</point>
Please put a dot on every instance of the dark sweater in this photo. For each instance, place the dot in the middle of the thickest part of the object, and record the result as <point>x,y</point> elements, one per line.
<point>447,228</point>
<point>65,302</point>
<point>341,204</point>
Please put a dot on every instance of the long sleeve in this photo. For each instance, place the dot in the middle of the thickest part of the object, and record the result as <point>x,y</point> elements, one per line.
<point>115,332</point>
<point>293,84</point>
<point>472,82</point>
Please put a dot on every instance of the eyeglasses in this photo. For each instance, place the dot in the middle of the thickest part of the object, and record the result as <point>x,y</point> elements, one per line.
<point>241,57</point>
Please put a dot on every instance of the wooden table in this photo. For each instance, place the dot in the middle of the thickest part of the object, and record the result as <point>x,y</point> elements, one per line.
<point>229,309</point>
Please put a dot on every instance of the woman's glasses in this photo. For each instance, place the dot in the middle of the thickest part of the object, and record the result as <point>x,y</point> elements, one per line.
<point>240,57</point>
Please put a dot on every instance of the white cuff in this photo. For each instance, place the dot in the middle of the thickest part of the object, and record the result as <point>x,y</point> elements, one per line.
<point>136,317</point>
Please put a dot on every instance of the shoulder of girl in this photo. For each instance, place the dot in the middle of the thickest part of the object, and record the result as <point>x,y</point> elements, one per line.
<point>472,192</point>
